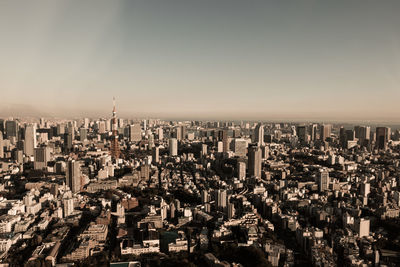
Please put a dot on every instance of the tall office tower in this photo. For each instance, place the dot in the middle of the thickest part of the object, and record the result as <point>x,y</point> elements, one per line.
<point>68,204</point>
<point>221,198</point>
<point>365,189</point>
<point>205,196</point>
<point>173,147</point>
<point>30,139</point>
<point>60,129</point>
<point>71,130</point>
<point>1,146</point>
<point>115,152</point>
<point>313,132</point>
<point>241,170</point>
<point>160,133</point>
<point>151,141</point>
<point>83,134</point>
<point>240,147</point>
<point>302,133</point>
<point>362,227</point>
<point>73,175</point>
<point>156,154</point>
<point>68,142</point>
<point>350,135</point>
<point>178,133</point>
<point>342,137</point>
<point>42,156</point>
<point>326,130</point>
<point>364,134</point>
<point>225,140</point>
<point>382,137</point>
<point>86,123</point>
<point>11,129</point>
<point>18,156</point>
<point>183,132</point>
<point>323,181</point>
<point>101,125</point>
<point>204,149</point>
<point>254,161</point>
<point>231,210</point>
<point>135,133</point>
<point>120,123</point>
<point>259,134</point>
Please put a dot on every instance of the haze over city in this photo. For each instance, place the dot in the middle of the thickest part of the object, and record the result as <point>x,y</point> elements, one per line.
<point>207,133</point>
<point>259,60</point>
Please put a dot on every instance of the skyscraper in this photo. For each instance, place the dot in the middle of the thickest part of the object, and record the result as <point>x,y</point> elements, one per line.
<point>68,142</point>
<point>160,133</point>
<point>115,151</point>
<point>135,132</point>
<point>221,199</point>
<point>204,150</point>
<point>223,136</point>
<point>326,130</point>
<point>302,133</point>
<point>240,147</point>
<point>241,170</point>
<point>259,134</point>
<point>30,139</point>
<point>156,154</point>
<point>362,227</point>
<point>11,128</point>
<point>254,161</point>
<point>42,156</point>
<point>323,181</point>
<point>313,132</point>
<point>382,137</point>
<point>178,133</point>
<point>173,147</point>
<point>83,134</point>
<point>73,175</point>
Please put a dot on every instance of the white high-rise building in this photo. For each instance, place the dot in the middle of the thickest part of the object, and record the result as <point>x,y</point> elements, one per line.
<point>30,139</point>
<point>221,198</point>
<point>241,170</point>
<point>173,147</point>
<point>259,135</point>
<point>68,205</point>
<point>323,181</point>
<point>362,227</point>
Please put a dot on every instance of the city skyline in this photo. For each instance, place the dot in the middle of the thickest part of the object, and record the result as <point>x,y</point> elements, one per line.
<point>306,61</point>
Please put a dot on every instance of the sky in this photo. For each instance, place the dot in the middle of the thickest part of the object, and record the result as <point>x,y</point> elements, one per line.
<point>208,59</point>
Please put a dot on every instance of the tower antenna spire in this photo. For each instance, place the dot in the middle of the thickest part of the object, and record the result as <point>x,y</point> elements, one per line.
<point>115,151</point>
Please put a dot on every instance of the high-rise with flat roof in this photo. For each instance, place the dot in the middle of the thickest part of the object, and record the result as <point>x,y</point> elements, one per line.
<point>73,175</point>
<point>255,161</point>
<point>382,137</point>
<point>30,139</point>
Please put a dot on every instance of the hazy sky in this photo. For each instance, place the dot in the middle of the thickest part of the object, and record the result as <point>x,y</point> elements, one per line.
<point>202,59</point>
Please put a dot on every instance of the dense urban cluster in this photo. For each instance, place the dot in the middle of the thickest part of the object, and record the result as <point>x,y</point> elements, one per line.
<point>108,191</point>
